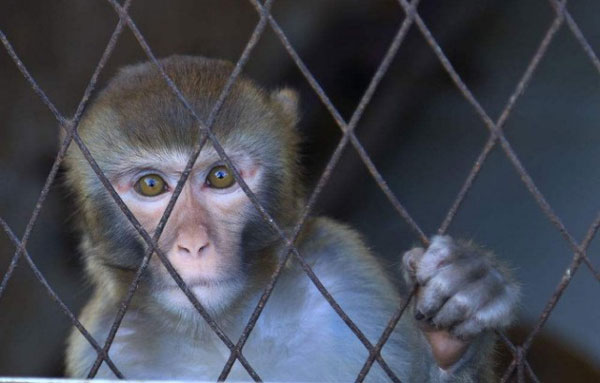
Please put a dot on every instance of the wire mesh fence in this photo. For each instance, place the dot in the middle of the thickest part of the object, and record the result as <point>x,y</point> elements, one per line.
<point>519,369</point>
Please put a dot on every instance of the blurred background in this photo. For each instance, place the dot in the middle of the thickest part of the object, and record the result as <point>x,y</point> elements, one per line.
<point>419,130</point>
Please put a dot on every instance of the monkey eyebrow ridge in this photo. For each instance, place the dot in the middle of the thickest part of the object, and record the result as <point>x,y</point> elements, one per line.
<point>174,163</point>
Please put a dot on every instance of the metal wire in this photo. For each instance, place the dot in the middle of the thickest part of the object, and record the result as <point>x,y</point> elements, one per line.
<point>519,364</point>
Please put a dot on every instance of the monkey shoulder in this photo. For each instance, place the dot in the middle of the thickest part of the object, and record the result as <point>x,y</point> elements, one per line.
<point>357,282</point>
<point>343,264</point>
<point>339,253</point>
<point>366,290</point>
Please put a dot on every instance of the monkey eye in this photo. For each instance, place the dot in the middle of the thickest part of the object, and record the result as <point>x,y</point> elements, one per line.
<point>220,177</point>
<point>150,185</point>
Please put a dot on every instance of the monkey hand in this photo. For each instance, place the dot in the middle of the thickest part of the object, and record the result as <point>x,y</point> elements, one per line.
<point>462,291</point>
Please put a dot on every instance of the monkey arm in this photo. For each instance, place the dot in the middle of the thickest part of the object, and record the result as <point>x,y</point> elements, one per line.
<point>96,317</point>
<point>416,351</point>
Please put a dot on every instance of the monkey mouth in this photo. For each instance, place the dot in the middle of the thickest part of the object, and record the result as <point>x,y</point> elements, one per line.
<point>212,293</point>
<point>200,282</point>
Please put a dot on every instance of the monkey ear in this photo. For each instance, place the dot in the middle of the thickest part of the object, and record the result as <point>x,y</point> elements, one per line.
<point>287,99</point>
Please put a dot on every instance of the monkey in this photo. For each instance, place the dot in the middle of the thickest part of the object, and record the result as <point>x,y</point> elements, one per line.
<point>141,136</point>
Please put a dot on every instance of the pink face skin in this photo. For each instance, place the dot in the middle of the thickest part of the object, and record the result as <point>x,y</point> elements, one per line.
<point>202,236</point>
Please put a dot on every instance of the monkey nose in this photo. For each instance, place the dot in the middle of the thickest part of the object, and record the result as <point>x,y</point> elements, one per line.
<point>190,248</point>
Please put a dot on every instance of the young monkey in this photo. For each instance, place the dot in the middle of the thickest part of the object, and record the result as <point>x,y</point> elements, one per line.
<point>141,135</point>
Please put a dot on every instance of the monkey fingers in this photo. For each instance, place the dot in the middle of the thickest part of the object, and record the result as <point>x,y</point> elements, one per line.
<point>446,348</point>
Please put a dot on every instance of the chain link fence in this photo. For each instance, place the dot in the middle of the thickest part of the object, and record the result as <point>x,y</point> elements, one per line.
<point>518,369</point>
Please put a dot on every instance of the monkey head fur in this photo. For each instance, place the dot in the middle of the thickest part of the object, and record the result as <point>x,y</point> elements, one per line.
<point>138,126</point>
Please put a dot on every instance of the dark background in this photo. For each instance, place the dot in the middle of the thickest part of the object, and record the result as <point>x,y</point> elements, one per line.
<point>419,130</point>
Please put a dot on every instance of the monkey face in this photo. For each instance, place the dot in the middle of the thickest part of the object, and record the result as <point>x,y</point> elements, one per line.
<point>142,136</point>
<point>203,236</point>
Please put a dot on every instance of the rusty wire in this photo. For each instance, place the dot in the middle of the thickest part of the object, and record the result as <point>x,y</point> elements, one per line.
<point>519,364</point>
